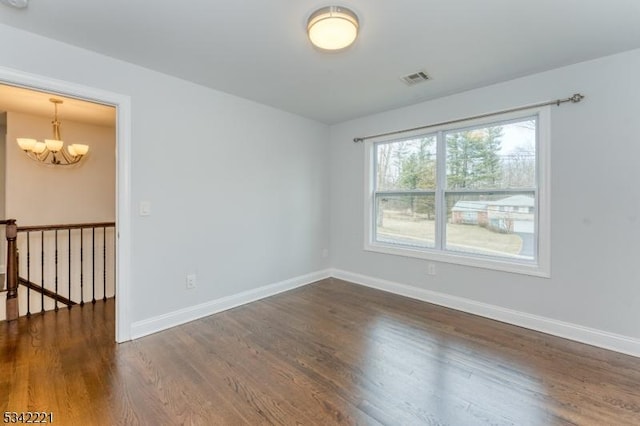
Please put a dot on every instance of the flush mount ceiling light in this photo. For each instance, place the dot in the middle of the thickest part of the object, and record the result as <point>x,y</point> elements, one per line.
<point>50,151</point>
<point>332,27</point>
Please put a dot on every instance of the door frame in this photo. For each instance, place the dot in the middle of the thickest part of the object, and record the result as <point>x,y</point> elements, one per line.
<point>122,103</point>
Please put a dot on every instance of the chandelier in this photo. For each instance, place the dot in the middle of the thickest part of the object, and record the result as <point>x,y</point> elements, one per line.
<point>51,150</point>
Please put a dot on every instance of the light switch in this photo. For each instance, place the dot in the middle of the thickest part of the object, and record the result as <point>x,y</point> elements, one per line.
<point>145,208</point>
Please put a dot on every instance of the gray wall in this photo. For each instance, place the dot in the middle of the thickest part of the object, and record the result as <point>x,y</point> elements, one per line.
<point>595,206</point>
<point>239,190</point>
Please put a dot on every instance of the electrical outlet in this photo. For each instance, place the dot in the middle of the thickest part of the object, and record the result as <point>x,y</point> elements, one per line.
<point>191,281</point>
<point>431,269</point>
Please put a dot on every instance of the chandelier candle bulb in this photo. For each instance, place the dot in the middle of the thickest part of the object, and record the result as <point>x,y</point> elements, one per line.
<point>53,145</point>
<point>26,144</point>
<point>39,147</point>
<point>80,149</point>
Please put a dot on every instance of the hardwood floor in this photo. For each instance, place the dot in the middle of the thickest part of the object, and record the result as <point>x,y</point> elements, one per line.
<point>328,353</point>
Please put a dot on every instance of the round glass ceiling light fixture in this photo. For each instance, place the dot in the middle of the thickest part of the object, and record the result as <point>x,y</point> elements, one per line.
<point>332,27</point>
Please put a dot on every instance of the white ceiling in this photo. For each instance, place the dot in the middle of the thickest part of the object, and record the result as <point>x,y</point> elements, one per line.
<point>258,49</point>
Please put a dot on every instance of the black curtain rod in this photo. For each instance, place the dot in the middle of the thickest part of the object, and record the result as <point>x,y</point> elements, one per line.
<point>573,99</point>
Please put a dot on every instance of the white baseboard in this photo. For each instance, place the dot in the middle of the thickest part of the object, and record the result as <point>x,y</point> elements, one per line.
<point>172,319</point>
<point>603,339</point>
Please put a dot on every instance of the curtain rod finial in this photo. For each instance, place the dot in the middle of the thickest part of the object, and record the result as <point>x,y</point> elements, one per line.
<point>357,140</point>
<point>576,98</point>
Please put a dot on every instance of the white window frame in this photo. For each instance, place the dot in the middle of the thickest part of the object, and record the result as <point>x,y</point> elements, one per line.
<point>540,266</point>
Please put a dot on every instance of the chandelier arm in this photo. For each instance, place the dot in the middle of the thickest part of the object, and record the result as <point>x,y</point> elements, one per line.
<point>68,159</point>
<point>65,156</point>
<point>43,156</point>
<point>71,163</point>
<point>42,159</point>
<point>67,164</point>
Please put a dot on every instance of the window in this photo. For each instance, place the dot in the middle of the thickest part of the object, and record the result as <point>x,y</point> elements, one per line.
<point>474,194</point>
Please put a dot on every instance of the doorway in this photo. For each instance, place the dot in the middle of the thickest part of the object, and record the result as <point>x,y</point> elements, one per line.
<point>121,233</point>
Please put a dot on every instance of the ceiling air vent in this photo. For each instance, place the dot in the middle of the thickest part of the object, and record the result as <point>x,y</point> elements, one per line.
<point>415,78</point>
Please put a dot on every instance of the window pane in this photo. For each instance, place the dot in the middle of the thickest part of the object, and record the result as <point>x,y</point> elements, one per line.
<point>494,225</point>
<point>406,165</point>
<point>405,219</point>
<point>492,157</point>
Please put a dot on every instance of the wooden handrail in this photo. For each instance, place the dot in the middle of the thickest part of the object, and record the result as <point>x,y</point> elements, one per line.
<point>12,269</point>
<point>46,292</point>
<point>69,226</point>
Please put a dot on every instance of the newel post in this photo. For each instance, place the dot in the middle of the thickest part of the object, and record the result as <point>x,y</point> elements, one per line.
<point>12,270</point>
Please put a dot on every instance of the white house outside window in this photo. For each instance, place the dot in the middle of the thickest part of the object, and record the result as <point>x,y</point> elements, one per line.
<point>474,194</point>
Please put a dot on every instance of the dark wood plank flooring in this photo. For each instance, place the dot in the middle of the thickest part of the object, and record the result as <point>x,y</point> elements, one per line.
<point>328,353</point>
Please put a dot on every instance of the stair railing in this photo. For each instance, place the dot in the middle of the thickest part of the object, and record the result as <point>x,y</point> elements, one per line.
<point>48,254</point>
<point>11,271</point>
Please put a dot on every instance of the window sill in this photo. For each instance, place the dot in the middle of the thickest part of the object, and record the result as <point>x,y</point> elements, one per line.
<point>464,259</point>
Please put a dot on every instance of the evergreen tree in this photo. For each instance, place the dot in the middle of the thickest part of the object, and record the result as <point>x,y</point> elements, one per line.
<point>473,159</point>
<point>418,172</point>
